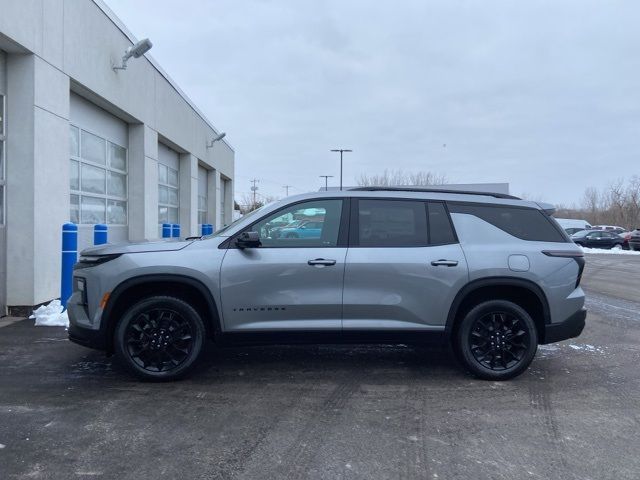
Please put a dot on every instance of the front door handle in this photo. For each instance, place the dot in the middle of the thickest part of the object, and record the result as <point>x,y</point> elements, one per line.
<point>444,263</point>
<point>321,262</point>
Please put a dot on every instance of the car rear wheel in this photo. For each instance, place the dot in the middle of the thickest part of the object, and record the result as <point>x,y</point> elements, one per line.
<point>496,340</point>
<point>159,338</point>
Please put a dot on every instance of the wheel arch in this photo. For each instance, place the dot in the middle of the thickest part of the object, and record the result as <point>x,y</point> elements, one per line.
<point>520,291</point>
<point>180,286</point>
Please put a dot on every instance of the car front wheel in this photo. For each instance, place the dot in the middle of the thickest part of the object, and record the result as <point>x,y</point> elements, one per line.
<point>496,340</point>
<point>159,338</point>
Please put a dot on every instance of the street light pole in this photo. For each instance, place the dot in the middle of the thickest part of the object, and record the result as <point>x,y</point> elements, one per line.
<point>341,150</point>
<point>326,181</point>
<point>286,188</point>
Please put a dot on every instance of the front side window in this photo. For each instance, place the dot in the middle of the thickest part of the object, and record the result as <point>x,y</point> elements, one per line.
<point>307,224</point>
<point>97,179</point>
<point>391,223</point>
<point>167,194</point>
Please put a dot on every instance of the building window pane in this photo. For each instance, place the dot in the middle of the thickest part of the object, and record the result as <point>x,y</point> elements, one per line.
<point>74,214</point>
<point>163,194</point>
<point>173,196</point>
<point>93,148</point>
<point>74,175</point>
<point>173,215</point>
<point>93,210</point>
<point>116,212</point>
<point>163,214</point>
<point>93,179</point>
<point>74,142</point>
<point>202,217</point>
<point>173,177</point>
<point>117,185</point>
<point>162,173</point>
<point>117,157</point>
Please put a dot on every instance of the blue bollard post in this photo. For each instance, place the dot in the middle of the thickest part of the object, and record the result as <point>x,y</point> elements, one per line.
<point>166,230</point>
<point>203,229</point>
<point>100,234</point>
<point>175,230</point>
<point>69,257</point>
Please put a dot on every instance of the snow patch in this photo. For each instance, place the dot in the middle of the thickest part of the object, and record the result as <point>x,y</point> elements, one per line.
<point>613,251</point>
<point>52,315</point>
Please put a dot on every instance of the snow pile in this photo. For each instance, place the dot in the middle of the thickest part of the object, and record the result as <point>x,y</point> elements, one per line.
<point>51,315</point>
<point>613,251</point>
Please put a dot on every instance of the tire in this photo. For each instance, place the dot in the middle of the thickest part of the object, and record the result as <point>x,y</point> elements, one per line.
<point>478,328</point>
<point>151,338</point>
<point>617,246</point>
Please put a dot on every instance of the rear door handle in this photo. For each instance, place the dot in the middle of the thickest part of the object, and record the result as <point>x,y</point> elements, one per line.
<point>321,262</point>
<point>444,263</point>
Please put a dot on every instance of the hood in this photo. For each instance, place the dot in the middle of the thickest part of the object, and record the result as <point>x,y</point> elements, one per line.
<point>139,247</point>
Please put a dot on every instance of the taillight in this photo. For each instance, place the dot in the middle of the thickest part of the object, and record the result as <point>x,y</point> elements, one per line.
<point>577,256</point>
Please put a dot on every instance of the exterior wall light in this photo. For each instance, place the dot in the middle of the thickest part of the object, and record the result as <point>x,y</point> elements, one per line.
<point>215,139</point>
<point>135,51</point>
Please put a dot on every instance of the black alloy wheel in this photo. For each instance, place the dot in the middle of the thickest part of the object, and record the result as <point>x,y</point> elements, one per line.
<point>160,338</point>
<point>496,340</point>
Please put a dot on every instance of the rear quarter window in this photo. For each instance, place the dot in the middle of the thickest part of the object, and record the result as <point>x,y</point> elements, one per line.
<point>524,223</point>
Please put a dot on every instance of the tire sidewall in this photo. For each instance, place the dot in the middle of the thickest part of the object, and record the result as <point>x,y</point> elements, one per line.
<point>464,330</point>
<point>186,310</point>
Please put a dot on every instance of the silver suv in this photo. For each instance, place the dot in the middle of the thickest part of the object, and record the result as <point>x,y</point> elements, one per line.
<point>489,274</point>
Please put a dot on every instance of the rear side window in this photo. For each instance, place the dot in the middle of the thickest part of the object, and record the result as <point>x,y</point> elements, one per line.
<point>440,229</point>
<point>392,223</point>
<point>523,223</point>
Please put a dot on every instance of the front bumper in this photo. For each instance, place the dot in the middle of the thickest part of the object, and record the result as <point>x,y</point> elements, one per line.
<point>569,328</point>
<point>81,330</point>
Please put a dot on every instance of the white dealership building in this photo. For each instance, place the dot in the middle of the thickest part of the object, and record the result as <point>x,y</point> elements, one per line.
<point>83,142</point>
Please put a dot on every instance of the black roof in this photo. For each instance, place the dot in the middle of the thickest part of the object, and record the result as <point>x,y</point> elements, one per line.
<point>433,190</point>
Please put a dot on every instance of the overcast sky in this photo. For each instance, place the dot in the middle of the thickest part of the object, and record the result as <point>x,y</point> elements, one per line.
<point>543,95</point>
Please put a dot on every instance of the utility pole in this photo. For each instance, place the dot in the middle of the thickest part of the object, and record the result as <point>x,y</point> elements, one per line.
<point>341,150</point>
<point>286,187</point>
<point>326,181</point>
<point>254,189</point>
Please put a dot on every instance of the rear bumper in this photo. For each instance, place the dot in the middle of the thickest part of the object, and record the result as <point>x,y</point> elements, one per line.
<point>569,328</point>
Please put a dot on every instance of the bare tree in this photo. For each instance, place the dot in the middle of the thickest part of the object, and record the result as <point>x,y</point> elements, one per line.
<point>618,204</point>
<point>399,177</point>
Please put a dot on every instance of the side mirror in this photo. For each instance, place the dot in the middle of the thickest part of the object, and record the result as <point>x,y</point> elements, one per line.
<point>248,240</point>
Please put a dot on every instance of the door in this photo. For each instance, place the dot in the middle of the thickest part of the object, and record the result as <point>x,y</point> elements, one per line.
<point>403,268</point>
<point>288,283</point>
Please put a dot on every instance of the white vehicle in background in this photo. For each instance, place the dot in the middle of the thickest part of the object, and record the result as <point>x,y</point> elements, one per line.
<point>610,228</point>
<point>572,225</point>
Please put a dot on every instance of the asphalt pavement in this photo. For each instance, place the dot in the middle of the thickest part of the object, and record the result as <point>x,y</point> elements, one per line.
<point>333,412</point>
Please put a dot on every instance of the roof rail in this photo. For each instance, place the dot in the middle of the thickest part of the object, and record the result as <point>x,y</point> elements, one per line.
<point>434,190</point>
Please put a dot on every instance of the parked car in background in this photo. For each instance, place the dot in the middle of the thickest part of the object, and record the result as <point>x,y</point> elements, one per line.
<point>305,230</point>
<point>634,239</point>
<point>573,225</point>
<point>597,239</point>
<point>626,236</point>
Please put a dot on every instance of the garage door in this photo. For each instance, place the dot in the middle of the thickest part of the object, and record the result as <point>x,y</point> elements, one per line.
<point>168,191</point>
<point>98,171</point>
<point>3,244</point>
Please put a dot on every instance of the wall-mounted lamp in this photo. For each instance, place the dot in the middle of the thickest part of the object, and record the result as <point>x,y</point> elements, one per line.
<point>215,139</point>
<point>135,51</point>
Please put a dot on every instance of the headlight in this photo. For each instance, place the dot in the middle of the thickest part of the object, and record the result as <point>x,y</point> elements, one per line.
<point>86,261</point>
